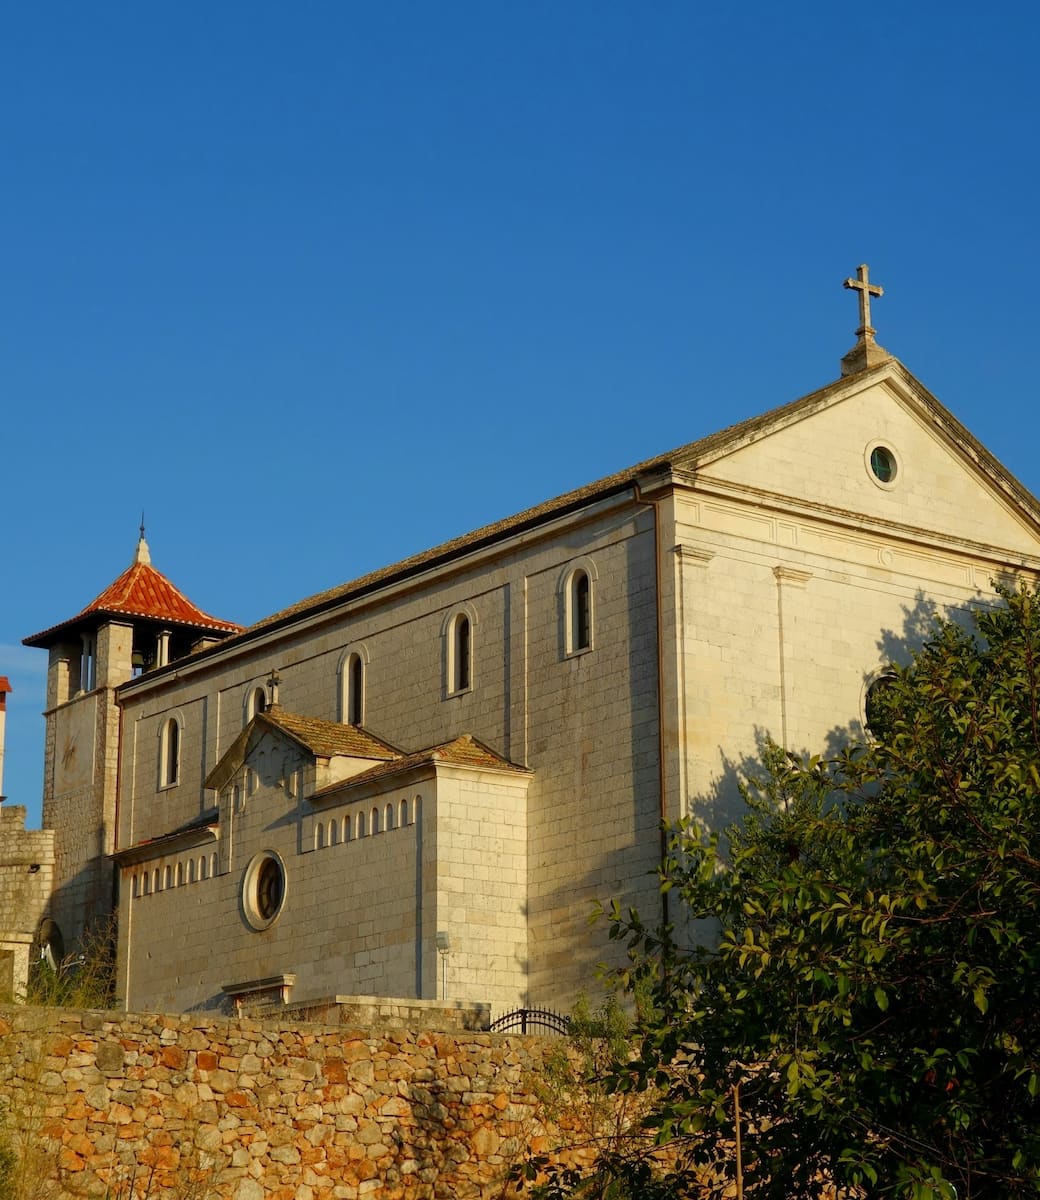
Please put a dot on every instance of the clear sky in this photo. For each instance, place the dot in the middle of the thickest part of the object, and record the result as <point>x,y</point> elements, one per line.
<point>321,285</point>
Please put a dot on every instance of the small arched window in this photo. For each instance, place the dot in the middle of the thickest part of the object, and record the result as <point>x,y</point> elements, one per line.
<point>256,702</point>
<point>457,636</point>
<point>170,753</point>
<point>351,674</point>
<point>355,690</point>
<point>463,652</point>
<point>581,611</point>
<point>575,590</point>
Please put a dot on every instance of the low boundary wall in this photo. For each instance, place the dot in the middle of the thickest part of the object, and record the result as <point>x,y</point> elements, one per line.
<point>247,1109</point>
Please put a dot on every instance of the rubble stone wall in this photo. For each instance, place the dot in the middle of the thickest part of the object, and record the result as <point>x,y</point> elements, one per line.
<point>194,1107</point>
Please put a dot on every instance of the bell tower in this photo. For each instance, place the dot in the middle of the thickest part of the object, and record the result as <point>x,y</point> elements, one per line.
<point>140,621</point>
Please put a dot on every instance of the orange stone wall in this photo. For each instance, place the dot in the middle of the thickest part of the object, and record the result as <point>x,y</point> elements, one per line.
<point>243,1109</point>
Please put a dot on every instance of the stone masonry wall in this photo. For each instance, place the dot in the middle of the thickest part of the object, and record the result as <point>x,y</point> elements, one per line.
<point>192,1106</point>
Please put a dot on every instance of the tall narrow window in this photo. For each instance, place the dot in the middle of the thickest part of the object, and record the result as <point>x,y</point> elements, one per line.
<point>355,690</point>
<point>575,590</point>
<point>351,678</point>
<point>88,663</point>
<point>170,754</point>
<point>457,649</point>
<point>581,611</point>
<point>462,654</point>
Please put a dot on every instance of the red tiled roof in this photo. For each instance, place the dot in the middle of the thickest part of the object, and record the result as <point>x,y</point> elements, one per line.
<point>142,591</point>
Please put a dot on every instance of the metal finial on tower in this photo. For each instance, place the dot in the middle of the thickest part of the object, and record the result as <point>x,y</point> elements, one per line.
<point>866,352</point>
<point>143,555</point>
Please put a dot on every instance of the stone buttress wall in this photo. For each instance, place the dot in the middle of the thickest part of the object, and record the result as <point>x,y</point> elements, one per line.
<point>245,1109</point>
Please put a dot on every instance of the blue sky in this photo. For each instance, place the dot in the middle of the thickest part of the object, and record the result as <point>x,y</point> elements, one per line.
<point>318,286</point>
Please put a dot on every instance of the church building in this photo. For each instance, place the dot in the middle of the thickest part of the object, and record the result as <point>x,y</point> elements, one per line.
<point>418,783</point>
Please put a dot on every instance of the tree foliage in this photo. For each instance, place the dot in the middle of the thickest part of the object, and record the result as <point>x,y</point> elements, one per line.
<point>869,994</point>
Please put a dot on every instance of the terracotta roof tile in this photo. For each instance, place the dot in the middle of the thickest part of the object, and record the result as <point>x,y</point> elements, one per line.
<point>328,738</point>
<point>464,751</point>
<point>142,591</point>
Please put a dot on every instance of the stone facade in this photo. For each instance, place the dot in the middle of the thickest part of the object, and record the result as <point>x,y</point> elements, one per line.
<point>26,883</point>
<point>747,585</point>
<point>247,1109</point>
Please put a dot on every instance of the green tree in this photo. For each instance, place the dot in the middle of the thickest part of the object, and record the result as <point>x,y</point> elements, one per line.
<point>868,999</point>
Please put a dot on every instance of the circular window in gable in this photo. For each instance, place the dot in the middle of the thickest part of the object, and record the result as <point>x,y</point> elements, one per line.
<point>263,889</point>
<point>879,706</point>
<point>882,464</point>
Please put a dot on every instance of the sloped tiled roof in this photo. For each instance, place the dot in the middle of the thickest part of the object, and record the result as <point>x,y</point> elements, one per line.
<point>463,751</point>
<point>684,458</point>
<point>687,459</point>
<point>142,591</point>
<point>323,739</point>
<point>327,738</point>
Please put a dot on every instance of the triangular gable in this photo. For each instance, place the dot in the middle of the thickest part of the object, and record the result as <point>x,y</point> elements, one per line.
<point>817,451</point>
<point>319,739</point>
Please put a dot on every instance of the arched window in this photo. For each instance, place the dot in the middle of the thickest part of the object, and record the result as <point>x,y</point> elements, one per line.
<point>355,690</point>
<point>353,667</point>
<point>361,824</point>
<point>388,817</point>
<point>458,651</point>
<point>374,823</point>
<point>576,602</point>
<point>581,611</point>
<point>256,702</point>
<point>170,753</point>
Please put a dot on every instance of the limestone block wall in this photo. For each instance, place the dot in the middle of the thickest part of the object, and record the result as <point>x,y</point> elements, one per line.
<point>586,724</point>
<point>479,859</point>
<point>79,803</point>
<point>780,624</point>
<point>26,878</point>
<point>349,919</point>
<point>245,1109</point>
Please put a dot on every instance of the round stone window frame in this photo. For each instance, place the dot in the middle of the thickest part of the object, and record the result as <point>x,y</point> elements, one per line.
<point>877,682</point>
<point>253,880</point>
<point>897,464</point>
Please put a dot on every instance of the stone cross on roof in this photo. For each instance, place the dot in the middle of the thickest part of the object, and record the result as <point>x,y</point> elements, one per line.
<point>866,352</point>
<point>866,289</point>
